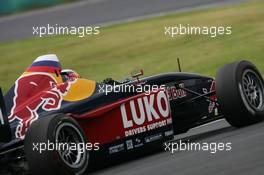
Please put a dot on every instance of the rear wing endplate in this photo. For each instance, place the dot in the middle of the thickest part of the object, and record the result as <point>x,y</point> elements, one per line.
<point>5,131</point>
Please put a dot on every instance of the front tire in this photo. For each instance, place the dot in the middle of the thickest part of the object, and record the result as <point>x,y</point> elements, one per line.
<point>240,93</point>
<point>64,159</point>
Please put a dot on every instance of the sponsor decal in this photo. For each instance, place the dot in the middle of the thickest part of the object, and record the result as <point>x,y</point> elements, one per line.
<point>148,127</point>
<point>174,93</point>
<point>49,97</point>
<point>116,148</point>
<point>138,143</point>
<point>212,105</point>
<point>129,144</point>
<point>145,113</point>
<point>153,138</point>
<point>169,133</point>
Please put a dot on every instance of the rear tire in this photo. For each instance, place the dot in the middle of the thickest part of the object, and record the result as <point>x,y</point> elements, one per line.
<point>57,128</point>
<point>240,93</point>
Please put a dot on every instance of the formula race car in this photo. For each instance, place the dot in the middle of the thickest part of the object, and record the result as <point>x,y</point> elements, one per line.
<point>54,122</point>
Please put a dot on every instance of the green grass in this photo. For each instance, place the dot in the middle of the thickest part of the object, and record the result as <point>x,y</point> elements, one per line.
<point>120,49</point>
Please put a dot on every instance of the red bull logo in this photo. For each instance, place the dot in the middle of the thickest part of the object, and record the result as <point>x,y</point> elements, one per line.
<point>35,92</point>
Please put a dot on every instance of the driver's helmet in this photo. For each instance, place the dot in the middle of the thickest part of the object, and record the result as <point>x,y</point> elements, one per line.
<point>69,74</point>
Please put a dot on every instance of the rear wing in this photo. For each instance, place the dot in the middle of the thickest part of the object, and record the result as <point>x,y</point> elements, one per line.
<point>5,131</point>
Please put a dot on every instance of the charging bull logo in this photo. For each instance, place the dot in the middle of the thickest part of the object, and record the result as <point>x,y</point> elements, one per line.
<point>34,92</point>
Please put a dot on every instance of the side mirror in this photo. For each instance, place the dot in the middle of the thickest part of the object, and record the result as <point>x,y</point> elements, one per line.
<point>137,73</point>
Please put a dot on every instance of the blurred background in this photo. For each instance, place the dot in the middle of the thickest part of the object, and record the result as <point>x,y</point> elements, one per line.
<point>14,6</point>
<point>131,36</point>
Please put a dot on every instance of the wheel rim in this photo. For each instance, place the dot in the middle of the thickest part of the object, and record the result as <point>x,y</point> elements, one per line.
<point>252,88</point>
<point>69,138</point>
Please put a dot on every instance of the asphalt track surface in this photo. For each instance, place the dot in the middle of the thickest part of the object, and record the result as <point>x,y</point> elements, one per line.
<point>245,158</point>
<point>96,12</point>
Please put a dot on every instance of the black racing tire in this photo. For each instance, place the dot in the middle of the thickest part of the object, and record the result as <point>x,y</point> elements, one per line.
<point>240,93</point>
<point>57,128</point>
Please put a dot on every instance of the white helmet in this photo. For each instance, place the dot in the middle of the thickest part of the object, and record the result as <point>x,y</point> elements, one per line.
<point>69,74</point>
